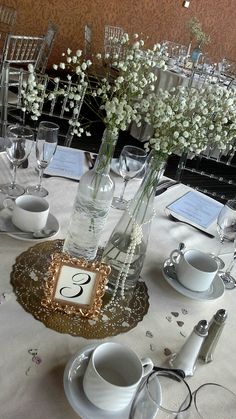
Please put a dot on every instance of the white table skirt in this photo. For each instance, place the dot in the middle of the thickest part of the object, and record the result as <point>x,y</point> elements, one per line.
<point>36,391</point>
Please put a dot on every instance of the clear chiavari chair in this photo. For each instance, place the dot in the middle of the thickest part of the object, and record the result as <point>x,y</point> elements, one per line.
<point>214,169</point>
<point>7,21</point>
<point>112,40</point>
<point>49,39</point>
<point>65,103</point>
<point>87,41</point>
<point>58,100</point>
<point>19,51</point>
<point>7,17</point>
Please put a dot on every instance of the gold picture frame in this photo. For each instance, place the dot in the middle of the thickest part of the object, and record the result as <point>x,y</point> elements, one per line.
<point>75,286</point>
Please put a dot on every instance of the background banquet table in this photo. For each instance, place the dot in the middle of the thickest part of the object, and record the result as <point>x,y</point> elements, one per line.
<point>36,391</point>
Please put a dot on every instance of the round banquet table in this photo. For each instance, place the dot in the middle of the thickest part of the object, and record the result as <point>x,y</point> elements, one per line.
<point>33,357</point>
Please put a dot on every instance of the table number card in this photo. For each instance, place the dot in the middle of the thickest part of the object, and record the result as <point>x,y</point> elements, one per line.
<point>75,286</point>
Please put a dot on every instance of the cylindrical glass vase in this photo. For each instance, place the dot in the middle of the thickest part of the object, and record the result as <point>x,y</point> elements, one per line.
<point>92,204</point>
<point>126,248</point>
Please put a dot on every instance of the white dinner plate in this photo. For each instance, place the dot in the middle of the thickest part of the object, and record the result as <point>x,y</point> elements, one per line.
<point>215,291</point>
<point>6,224</point>
<point>115,169</point>
<point>73,386</point>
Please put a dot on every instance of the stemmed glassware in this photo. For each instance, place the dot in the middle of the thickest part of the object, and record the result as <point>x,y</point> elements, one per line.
<point>226,228</point>
<point>131,163</point>
<point>46,144</point>
<point>18,144</point>
<point>164,393</point>
<point>227,277</point>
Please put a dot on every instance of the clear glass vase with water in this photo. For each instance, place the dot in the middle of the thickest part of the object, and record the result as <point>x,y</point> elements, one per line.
<point>92,204</point>
<point>138,213</point>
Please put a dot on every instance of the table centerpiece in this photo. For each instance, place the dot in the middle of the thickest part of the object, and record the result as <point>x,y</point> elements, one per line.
<point>114,97</point>
<point>183,120</point>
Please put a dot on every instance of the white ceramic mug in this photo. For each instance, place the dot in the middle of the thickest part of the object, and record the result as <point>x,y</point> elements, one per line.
<point>113,375</point>
<point>195,270</point>
<point>29,213</point>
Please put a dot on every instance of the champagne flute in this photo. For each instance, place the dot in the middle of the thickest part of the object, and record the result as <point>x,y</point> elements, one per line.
<point>131,163</point>
<point>18,145</point>
<point>46,144</point>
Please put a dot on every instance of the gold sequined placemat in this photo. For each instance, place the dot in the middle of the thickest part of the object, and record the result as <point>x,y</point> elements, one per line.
<point>28,277</point>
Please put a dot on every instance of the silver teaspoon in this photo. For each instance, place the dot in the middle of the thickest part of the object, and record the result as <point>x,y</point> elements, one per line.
<point>40,234</point>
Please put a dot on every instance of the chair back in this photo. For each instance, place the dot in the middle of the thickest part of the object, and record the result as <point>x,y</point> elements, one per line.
<point>214,169</point>
<point>7,17</point>
<point>87,41</point>
<point>57,99</point>
<point>49,39</point>
<point>112,40</point>
<point>21,49</point>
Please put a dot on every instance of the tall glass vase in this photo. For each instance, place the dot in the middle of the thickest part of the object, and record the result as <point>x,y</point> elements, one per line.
<point>92,204</point>
<point>126,248</point>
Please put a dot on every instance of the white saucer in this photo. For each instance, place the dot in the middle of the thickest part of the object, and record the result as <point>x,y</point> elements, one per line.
<point>215,291</point>
<point>6,224</point>
<point>73,386</point>
<point>115,169</point>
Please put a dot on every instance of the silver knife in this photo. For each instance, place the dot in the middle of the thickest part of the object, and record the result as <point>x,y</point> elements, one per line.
<point>162,187</point>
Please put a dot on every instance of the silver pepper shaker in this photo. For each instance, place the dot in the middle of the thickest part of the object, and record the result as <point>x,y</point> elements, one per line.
<point>188,354</point>
<point>216,326</point>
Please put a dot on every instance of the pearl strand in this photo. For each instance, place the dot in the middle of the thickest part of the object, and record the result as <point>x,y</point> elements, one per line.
<point>136,239</point>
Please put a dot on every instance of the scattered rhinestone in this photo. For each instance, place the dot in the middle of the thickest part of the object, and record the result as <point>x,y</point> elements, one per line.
<point>167,352</point>
<point>184,311</point>
<point>149,334</point>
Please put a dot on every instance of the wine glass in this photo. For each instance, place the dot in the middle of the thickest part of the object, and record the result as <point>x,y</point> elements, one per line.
<point>131,163</point>
<point>226,228</point>
<point>227,277</point>
<point>163,394</point>
<point>46,144</point>
<point>18,145</point>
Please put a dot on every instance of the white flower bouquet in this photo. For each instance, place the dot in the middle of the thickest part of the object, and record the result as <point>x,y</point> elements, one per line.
<point>114,97</point>
<point>188,119</point>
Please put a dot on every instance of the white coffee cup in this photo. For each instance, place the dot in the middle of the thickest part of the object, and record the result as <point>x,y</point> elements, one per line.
<point>113,375</point>
<point>29,213</point>
<point>195,270</point>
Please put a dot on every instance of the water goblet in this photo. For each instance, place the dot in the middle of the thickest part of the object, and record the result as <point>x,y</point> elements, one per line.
<point>155,396</point>
<point>131,163</point>
<point>18,144</point>
<point>226,276</point>
<point>226,228</point>
<point>46,144</point>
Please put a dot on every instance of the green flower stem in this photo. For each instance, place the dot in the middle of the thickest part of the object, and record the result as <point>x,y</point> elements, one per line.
<point>144,194</point>
<point>102,165</point>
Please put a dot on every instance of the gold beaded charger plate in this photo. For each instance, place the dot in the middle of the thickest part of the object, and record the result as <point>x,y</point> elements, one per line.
<point>28,277</point>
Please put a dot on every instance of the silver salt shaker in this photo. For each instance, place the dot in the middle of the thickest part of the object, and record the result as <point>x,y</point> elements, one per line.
<point>216,326</point>
<point>188,354</point>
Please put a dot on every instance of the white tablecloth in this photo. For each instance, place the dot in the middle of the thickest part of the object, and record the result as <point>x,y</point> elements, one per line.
<point>36,391</point>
